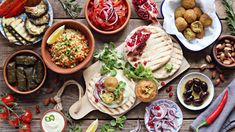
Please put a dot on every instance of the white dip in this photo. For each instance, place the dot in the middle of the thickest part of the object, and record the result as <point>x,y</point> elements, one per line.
<point>53,122</point>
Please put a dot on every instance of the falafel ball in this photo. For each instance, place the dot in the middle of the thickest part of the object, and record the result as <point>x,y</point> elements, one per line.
<point>179,12</point>
<point>201,34</point>
<point>206,20</point>
<point>188,4</point>
<point>190,16</point>
<point>181,24</point>
<point>197,11</point>
<point>197,26</point>
<point>110,84</point>
<point>189,34</point>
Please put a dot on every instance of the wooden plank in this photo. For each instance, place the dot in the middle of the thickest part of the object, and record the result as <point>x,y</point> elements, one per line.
<point>71,95</point>
<point>195,60</point>
<point>60,13</point>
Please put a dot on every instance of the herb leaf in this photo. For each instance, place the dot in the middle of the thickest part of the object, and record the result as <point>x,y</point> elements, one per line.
<point>110,58</point>
<point>107,128</point>
<point>168,67</point>
<point>71,7</point>
<point>231,15</point>
<point>121,87</point>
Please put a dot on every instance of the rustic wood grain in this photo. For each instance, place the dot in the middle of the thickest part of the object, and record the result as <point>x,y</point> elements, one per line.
<point>196,60</point>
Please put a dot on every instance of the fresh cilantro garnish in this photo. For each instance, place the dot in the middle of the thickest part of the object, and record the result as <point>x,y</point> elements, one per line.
<point>168,67</point>
<point>115,123</point>
<point>110,58</point>
<point>121,87</point>
<point>139,73</point>
<point>72,126</point>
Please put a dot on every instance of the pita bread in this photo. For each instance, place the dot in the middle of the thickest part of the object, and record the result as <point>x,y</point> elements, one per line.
<point>157,52</point>
<point>117,110</point>
<point>176,61</point>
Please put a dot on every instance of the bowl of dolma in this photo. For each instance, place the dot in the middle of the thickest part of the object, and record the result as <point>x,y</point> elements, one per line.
<point>24,72</point>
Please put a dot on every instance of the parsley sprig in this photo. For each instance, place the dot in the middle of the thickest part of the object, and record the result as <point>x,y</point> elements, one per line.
<point>118,122</point>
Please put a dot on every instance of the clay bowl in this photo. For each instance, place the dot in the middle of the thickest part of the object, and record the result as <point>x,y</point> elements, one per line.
<point>73,25</point>
<point>56,111</point>
<point>214,51</point>
<point>10,58</point>
<point>112,31</point>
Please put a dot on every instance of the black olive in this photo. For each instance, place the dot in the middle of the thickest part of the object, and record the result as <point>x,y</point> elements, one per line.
<point>187,93</point>
<point>189,84</point>
<point>189,100</point>
<point>197,102</point>
<point>203,95</point>
<point>204,86</point>
<point>196,88</point>
<point>197,81</point>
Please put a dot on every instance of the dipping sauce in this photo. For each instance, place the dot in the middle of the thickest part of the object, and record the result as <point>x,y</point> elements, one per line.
<point>53,121</point>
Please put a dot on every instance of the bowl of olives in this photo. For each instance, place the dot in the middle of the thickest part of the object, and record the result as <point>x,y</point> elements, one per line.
<point>195,91</point>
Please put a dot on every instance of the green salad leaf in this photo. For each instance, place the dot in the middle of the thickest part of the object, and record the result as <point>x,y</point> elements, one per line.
<point>107,128</point>
<point>121,87</point>
<point>139,73</point>
<point>118,122</point>
<point>110,58</point>
<point>168,67</point>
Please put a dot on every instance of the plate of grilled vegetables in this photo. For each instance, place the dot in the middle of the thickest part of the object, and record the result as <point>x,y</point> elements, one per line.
<point>28,27</point>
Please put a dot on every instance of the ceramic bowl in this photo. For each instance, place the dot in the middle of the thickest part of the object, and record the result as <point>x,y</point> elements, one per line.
<point>181,89</point>
<point>58,112</point>
<point>103,31</point>
<point>73,25</point>
<point>229,37</point>
<point>9,59</point>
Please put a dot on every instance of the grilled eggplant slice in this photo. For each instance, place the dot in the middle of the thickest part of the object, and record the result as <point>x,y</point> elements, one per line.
<point>9,35</point>
<point>40,21</point>
<point>21,79</point>
<point>17,36</point>
<point>33,29</point>
<point>37,11</point>
<point>18,27</point>
<point>11,72</point>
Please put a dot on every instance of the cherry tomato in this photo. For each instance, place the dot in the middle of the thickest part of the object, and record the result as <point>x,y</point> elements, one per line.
<point>8,100</point>
<point>27,116</point>
<point>4,113</point>
<point>24,128</point>
<point>13,120</point>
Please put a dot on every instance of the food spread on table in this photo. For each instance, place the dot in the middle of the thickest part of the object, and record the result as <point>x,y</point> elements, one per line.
<point>25,25</point>
<point>123,76</point>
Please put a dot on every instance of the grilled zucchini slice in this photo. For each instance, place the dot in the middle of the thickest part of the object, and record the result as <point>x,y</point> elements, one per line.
<point>5,24</point>
<point>33,29</point>
<point>38,10</point>
<point>18,27</point>
<point>40,21</point>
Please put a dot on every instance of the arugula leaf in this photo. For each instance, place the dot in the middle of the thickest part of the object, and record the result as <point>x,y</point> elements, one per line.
<point>121,87</point>
<point>110,58</point>
<point>139,73</point>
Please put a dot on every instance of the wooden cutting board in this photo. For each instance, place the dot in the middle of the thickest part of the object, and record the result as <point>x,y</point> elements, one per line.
<point>94,69</point>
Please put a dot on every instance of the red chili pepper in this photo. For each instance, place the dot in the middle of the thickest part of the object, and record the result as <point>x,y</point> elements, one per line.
<point>216,112</point>
<point>17,10</point>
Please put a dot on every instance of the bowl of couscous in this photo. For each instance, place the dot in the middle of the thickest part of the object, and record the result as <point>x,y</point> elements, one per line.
<point>67,47</point>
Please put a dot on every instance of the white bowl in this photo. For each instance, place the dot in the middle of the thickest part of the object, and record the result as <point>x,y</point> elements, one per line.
<point>181,86</point>
<point>211,33</point>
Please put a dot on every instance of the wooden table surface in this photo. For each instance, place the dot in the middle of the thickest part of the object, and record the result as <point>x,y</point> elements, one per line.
<point>71,95</point>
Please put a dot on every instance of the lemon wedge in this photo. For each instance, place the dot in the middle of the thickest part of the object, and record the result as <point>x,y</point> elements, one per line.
<point>93,126</point>
<point>56,34</point>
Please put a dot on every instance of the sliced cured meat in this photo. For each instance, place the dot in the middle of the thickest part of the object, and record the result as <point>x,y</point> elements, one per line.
<point>146,9</point>
<point>154,53</point>
<point>175,60</point>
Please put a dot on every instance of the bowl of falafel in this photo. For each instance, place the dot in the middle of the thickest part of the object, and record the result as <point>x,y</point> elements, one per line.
<point>196,24</point>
